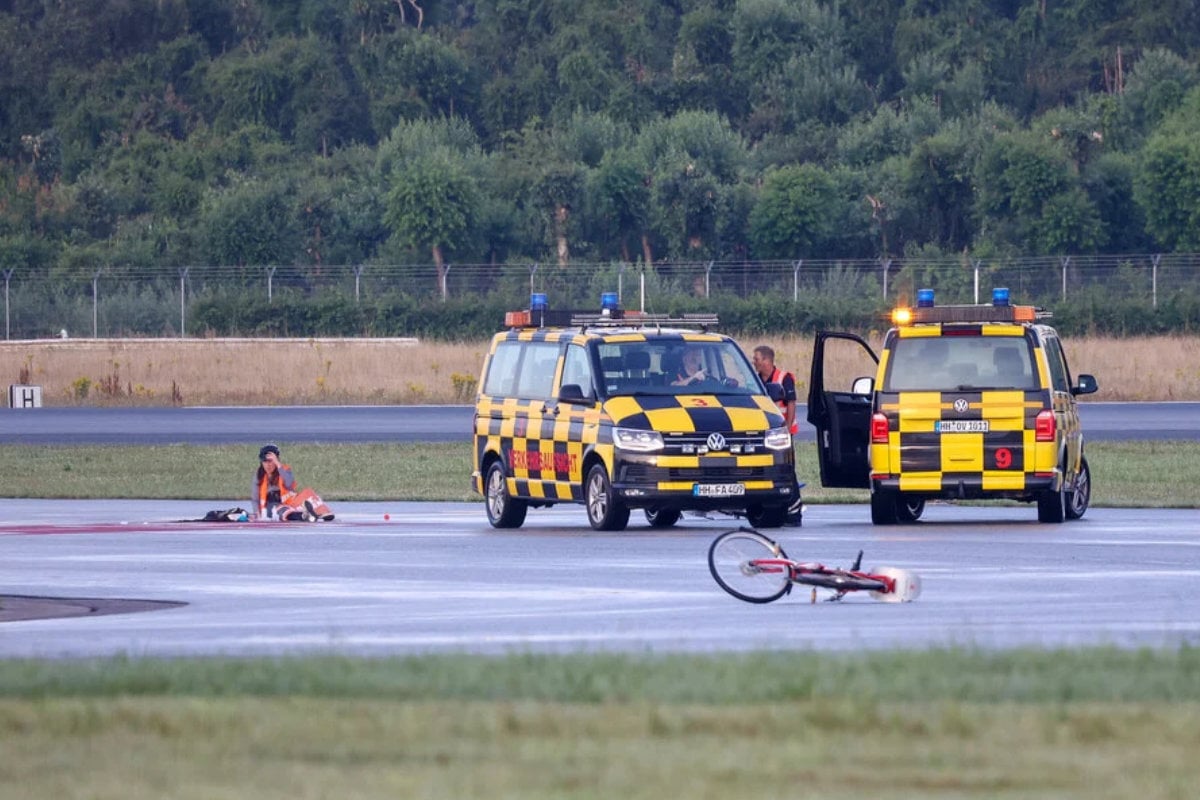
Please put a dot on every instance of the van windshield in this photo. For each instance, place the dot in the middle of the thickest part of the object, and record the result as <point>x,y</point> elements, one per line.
<point>675,367</point>
<point>959,363</point>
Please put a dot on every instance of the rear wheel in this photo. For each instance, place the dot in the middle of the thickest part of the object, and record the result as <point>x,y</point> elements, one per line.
<point>1079,499</point>
<point>605,511</point>
<point>503,510</point>
<point>884,508</point>
<point>908,509</point>
<point>732,561</point>
<point>1052,506</point>
<point>662,517</point>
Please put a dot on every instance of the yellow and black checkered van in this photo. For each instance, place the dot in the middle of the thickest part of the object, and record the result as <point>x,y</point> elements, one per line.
<point>968,402</point>
<point>599,411</point>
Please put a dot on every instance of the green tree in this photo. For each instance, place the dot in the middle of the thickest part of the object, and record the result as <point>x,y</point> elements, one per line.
<point>432,205</point>
<point>793,214</point>
<point>251,223</point>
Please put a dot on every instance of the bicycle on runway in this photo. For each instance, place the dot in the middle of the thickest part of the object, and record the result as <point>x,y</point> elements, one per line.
<point>755,568</point>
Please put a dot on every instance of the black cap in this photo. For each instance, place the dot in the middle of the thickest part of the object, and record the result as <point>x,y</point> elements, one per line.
<point>268,448</point>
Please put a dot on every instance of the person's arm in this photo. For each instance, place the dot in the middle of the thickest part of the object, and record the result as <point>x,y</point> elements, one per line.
<point>789,398</point>
<point>286,479</point>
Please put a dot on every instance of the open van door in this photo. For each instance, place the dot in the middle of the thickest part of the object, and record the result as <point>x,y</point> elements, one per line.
<point>842,419</point>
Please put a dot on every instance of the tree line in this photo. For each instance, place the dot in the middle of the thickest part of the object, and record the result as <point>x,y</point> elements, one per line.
<point>313,133</point>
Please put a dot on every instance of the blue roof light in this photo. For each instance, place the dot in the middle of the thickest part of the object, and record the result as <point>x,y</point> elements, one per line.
<point>924,298</point>
<point>537,301</point>
<point>609,301</point>
<point>1000,296</point>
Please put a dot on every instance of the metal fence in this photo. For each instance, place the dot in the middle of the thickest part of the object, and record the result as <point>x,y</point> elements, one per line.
<point>155,301</point>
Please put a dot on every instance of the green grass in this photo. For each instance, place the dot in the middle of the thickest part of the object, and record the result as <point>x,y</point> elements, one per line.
<point>1098,723</point>
<point>1147,474</point>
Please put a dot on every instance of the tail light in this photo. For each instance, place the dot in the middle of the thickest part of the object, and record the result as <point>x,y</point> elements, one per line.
<point>1045,427</point>
<point>879,429</point>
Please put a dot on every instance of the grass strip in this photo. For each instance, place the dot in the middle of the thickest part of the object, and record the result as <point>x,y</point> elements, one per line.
<point>1097,723</point>
<point>1148,474</point>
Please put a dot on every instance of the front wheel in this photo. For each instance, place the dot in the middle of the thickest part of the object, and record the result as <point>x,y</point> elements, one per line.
<point>1079,499</point>
<point>503,510</point>
<point>662,517</point>
<point>766,516</point>
<point>884,508</point>
<point>733,560</point>
<point>606,512</point>
<point>908,509</point>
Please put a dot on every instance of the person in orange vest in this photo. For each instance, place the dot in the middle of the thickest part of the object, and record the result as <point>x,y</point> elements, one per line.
<point>764,365</point>
<point>275,492</point>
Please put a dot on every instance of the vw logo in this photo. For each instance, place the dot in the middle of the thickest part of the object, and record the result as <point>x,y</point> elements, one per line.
<point>961,405</point>
<point>716,441</point>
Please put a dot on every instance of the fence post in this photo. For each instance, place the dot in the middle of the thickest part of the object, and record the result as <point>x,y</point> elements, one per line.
<point>977,263</point>
<point>887,263</point>
<point>642,289</point>
<point>533,268</point>
<point>270,281</point>
<point>95,301</point>
<point>1066,262</point>
<point>621,281</point>
<point>707,272</point>
<point>796,280</point>
<point>183,271</point>
<point>8,273</point>
<point>1154,259</point>
<point>445,283</point>
<point>358,271</point>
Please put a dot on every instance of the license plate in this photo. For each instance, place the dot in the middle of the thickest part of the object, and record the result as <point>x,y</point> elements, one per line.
<point>962,426</point>
<point>719,489</point>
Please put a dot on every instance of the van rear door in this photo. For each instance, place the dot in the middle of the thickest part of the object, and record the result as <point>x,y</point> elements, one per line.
<point>842,418</point>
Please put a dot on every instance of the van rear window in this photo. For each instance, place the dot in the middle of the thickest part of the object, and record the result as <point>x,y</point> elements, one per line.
<point>959,363</point>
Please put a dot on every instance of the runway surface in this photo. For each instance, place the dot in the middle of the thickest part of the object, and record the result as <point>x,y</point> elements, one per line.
<point>434,577</point>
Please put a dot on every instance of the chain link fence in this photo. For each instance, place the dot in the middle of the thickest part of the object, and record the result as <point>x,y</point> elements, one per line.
<point>115,301</point>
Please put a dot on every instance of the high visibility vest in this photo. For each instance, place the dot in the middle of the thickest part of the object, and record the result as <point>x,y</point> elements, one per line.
<point>777,377</point>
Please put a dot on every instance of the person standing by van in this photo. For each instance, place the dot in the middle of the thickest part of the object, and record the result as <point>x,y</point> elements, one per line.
<point>764,364</point>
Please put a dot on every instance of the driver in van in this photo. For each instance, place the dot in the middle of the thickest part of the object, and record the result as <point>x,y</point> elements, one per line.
<point>692,368</point>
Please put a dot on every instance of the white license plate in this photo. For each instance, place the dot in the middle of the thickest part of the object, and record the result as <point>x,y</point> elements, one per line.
<point>719,489</point>
<point>962,426</point>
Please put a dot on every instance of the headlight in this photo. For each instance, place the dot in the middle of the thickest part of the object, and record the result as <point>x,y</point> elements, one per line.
<point>636,440</point>
<point>778,439</point>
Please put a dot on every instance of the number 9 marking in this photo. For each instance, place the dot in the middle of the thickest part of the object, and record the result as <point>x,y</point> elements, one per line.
<point>1003,458</point>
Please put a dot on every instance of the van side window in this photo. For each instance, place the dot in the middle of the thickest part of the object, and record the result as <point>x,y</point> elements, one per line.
<point>536,377</point>
<point>1058,368</point>
<point>577,369</point>
<point>502,371</point>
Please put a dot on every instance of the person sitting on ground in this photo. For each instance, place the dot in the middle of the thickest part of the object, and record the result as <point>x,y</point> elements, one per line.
<point>275,492</point>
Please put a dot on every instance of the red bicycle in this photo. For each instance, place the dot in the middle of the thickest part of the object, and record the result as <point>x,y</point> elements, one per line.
<point>754,568</point>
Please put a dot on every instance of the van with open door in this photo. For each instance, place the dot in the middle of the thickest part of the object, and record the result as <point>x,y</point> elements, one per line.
<point>964,402</point>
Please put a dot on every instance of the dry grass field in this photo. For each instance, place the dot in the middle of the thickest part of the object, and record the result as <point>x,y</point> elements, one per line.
<point>193,372</point>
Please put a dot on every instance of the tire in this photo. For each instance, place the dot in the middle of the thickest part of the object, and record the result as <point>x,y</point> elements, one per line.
<point>884,508</point>
<point>503,510</point>
<point>909,509</point>
<point>729,559</point>
<point>605,511</point>
<point>662,517</point>
<point>1052,506</point>
<point>1081,497</point>
<point>766,516</point>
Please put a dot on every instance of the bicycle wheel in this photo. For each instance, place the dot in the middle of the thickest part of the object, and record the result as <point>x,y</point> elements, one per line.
<point>731,560</point>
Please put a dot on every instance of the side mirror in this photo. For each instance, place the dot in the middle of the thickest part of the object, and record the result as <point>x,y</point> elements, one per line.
<point>571,393</point>
<point>775,392</point>
<point>1087,384</point>
<point>863,385</point>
